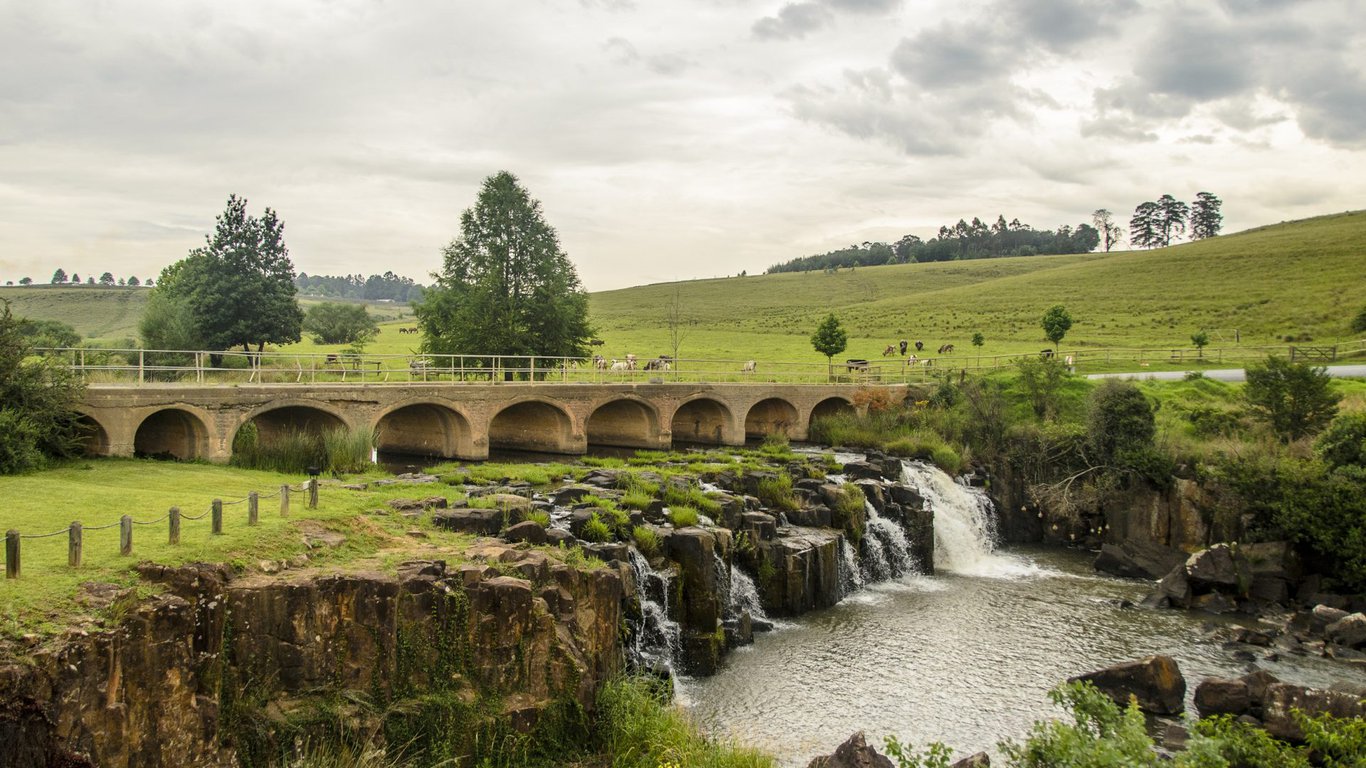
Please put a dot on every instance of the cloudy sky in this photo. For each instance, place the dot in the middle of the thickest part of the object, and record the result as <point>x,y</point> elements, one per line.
<point>667,139</point>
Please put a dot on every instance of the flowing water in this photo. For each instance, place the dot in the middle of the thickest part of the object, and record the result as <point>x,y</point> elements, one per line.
<point>965,656</point>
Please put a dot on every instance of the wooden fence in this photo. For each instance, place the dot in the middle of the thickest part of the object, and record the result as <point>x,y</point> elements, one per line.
<point>75,532</point>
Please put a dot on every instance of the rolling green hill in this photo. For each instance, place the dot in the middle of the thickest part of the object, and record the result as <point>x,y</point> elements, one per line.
<point>1302,279</point>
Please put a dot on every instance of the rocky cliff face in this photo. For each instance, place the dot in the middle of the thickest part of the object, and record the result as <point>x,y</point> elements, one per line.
<point>217,670</point>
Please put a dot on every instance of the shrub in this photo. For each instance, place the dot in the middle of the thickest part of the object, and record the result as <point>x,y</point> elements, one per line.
<point>646,540</point>
<point>683,517</point>
<point>1344,442</point>
<point>1294,398</point>
<point>596,530</point>
<point>638,728</point>
<point>335,323</point>
<point>776,492</point>
<point>1119,423</point>
<point>38,396</point>
<point>1042,381</point>
<point>1359,322</point>
<point>847,511</point>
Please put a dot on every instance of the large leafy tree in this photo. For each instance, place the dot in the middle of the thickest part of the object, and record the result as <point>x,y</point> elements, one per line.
<point>506,286</point>
<point>38,396</point>
<point>1172,218</point>
<point>1056,323</point>
<point>829,338</point>
<point>334,323</point>
<point>1206,220</point>
<point>238,289</point>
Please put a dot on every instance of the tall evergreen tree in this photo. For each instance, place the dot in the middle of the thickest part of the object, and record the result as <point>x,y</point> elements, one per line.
<point>1144,230</point>
<point>506,286</point>
<point>1172,217</point>
<point>1206,220</point>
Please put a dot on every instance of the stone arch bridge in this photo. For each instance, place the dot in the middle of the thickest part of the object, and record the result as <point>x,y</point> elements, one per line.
<point>460,421</point>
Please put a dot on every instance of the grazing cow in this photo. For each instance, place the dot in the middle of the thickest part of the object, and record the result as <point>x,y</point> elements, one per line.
<point>852,365</point>
<point>889,351</point>
<point>912,360</point>
<point>620,365</point>
<point>630,362</point>
<point>1071,367</point>
<point>919,346</point>
<point>1046,353</point>
<point>595,342</point>
<point>660,363</point>
<point>749,366</point>
<point>903,344</point>
<point>600,362</point>
<point>947,349</point>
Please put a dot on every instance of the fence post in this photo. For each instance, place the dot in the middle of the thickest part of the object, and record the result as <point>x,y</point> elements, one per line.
<point>174,517</point>
<point>11,554</point>
<point>141,366</point>
<point>284,500</point>
<point>126,535</point>
<point>217,517</point>
<point>253,508</point>
<point>73,545</point>
<point>312,493</point>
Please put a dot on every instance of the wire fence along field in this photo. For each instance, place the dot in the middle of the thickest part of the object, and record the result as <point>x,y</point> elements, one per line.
<point>75,532</point>
<point>151,366</point>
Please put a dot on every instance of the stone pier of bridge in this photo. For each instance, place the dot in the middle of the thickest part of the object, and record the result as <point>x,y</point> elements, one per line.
<point>457,420</point>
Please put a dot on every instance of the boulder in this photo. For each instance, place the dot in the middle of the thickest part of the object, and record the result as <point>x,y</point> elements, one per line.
<point>1322,616</point>
<point>760,526</point>
<point>418,505</point>
<point>854,753</point>
<point>1155,681</point>
<point>818,516</point>
<point>979,760</point>
<point>1173,591</point>
<point>573,494</point>
<point>1135,559</point>
<point>1281,698</point>
<point>862,470</point>
<point>559,536</point>
<point>529,531</point>
<point>906,496</point>
<point>480,522</point>
<point>1217,569</point>
<point>1221,696</point>
<point>1350,631</point>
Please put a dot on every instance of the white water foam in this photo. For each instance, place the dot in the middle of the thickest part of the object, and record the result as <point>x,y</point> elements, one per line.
<point>964,526</point>
<point>744,595</point>
<point>657,639</point>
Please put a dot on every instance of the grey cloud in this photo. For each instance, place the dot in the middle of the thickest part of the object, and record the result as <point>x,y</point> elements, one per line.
<point>1332,106</point>
<point>611,5</point>
<point>623,52</point>
<point>951,56</point>
<point>851,112</point>
<point>1199,62</point>
<point>864,6</point>
<point>1063,25</point>
<point>794,20</point>
<point>1120,127</point>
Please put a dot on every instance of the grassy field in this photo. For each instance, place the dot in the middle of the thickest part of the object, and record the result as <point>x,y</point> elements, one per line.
<point>1301,280</point>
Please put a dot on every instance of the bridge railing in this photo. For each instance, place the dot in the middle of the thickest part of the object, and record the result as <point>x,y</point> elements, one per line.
<point>151,366</point>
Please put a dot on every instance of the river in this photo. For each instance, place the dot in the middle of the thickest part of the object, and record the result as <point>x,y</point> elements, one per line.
<point>965,657</point>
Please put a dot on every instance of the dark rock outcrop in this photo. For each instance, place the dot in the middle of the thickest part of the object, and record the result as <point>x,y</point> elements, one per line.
<point>1282,698</point>
<point>1155,682</point>
<point>853,753</point>
<point>480,522</point>
<point>1220,696</point>
<point>979,760</point>
<point>1136,559</point>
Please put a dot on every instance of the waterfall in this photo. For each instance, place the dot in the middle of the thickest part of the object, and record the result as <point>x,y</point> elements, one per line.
<point>744,595</point>
<point>964,525</point>
<point>851,575</point>
<point>887,553</point>
<point>656,641</point>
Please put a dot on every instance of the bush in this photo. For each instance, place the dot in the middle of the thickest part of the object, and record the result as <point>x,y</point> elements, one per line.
<point>596,530</point>
<point>1344,442</point>
<point>539,517</point>
<point>646,540</point>
<point>683,517</point>
<point>1041,380</point>
<point>1359,322</point>
<point>637,728</point>
<point>333,323</point>
<point>38,397</point>
<point>776,492</point>
<point>1294,398</point>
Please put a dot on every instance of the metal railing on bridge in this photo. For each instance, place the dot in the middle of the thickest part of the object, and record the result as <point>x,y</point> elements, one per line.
<point>151,366</point>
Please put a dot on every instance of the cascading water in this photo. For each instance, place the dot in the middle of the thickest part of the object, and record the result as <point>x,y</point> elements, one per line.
<point>964,525</point>
<point>744,595</point>
<point>887,553</point>
<point>851,574</point>
<point>656,640</point>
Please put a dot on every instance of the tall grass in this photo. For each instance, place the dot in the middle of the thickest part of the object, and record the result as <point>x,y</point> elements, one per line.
<point>639,731</point>
<point>293,451</point>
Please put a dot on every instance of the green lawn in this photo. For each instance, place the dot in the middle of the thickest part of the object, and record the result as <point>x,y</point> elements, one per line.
<point>100,491</point>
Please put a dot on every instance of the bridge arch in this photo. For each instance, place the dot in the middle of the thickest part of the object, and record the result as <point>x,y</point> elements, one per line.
<point>534,424</point>
<point>94,438</point>
<point>830,406</point>
<point>175,432</point>
<point>627,422</point>
<point>703,419</point>
<point>426,427</point>
<point>773,416</point>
